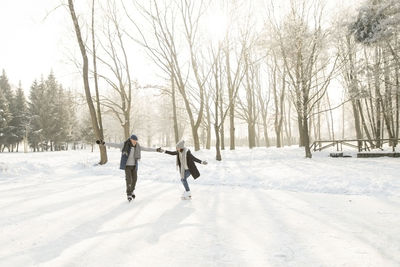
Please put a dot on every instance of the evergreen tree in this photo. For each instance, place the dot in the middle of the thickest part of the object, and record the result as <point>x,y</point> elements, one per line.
<point>376,21</point>
<point>20,116</point>
<point>5,118</point>
<point>61,119</point>
<point>86,131</point>
<point>8,130</point>
<point>52,115</point>
<point>51,118</point>
<point>5,87</point>
<point>35,108</point>
<point>71,125</point>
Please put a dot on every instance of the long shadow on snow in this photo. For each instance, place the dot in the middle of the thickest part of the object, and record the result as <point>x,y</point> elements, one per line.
<point>356,235</point>
<point>72,176</point>
<point>43,193</point>
<point>87,230</point>
<point>53,207</point>
<point>220,251</point>
<point>169,221</point>
<point>288,243</point>
<point>326,223</point>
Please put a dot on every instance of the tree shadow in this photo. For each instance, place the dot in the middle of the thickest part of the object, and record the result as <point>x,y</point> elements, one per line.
<point>170,221</point>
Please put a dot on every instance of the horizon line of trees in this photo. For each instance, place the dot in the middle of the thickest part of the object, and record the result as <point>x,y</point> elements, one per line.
<point>274,80</point>
<point>46,121</point>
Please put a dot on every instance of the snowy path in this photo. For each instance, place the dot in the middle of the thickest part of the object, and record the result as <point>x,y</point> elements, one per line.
<point>75,215</point>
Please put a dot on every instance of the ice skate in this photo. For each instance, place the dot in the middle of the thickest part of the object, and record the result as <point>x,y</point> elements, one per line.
<point>187,195</point>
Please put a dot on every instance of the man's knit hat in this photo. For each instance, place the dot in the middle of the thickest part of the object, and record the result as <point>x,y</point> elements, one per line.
<point>180,144</point>
<point>134,137</point>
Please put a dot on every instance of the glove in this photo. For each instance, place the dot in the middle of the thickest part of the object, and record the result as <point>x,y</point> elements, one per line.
<point>204,162</point>
<point>98,142</point>
<point>160,150</point>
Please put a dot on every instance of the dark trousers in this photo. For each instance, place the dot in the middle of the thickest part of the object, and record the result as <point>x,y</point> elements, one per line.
<point>131,179</point>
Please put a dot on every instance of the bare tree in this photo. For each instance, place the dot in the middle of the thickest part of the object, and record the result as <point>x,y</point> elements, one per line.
<point>117,76</point>
<point>164,52</point>
<point>220,111</point>
<point>277,82</point>
<point>264,99</point>
<point>249,110</point>
<point>302,45</point>
<point>97,127</point>
<point>376,28</point>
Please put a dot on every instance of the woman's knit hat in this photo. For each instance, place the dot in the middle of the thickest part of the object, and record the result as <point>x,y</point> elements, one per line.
<point>180,144</point>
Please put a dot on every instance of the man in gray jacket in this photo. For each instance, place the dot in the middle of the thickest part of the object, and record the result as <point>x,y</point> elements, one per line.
<point>130,156</point>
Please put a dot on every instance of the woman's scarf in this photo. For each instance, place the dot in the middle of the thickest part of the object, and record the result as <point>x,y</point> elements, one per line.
<point>183,160</point>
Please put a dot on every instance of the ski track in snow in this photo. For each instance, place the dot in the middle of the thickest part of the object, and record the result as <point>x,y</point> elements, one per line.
<point>260,207</point>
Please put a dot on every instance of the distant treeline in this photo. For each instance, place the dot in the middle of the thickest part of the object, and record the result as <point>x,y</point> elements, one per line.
<point>47,120</point>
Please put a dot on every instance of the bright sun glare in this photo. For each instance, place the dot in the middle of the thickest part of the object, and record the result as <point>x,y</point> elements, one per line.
<point>217,25</point>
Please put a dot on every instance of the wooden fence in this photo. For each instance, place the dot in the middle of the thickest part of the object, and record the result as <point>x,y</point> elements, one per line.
<point>360,144</point>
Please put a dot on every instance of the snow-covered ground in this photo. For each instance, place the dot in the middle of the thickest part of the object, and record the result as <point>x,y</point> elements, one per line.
<point>261,207</point>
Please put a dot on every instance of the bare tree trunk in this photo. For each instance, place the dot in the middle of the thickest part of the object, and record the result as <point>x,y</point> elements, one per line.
<point>397,105</point>
<point>287,125</point>
<point>364,124</point>
<point>265,130</point>
<point>218,106</point>
<point>103,151</point>
<point>217,143</point>
<point>85,74</point>
<point>276,103</point>
<point>356,115</point>
<point>300,123</point>
<point>306,138</point>
<point>331,117</point>
<point>174,116</point>
<point>231,103</point>
<point>387,107</point>
<point>250,107</point>
<point>279,104</point>
<point>208,124</point>
<point>222,128</point>
<point>378,99</point>
<point>349,74</point>
<point>317,125</point>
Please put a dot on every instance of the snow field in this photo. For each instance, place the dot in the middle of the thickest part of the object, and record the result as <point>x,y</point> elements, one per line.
<point>264,207</point>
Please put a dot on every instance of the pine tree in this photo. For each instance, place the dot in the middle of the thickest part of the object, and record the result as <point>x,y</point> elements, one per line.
<point>52,115</point>
<point>5,87</point>
<point>86,131</point>
<point>35,136</point>
<point>8,130</point>
<point>71,125</point>
<point>51,119</point>
<point>61,118</point>
<point>5,118</point>
<point>377,20</point>
<point>20,116</point>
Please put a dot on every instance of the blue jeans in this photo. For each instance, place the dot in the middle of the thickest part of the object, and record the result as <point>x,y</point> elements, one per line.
<point>184,180</point>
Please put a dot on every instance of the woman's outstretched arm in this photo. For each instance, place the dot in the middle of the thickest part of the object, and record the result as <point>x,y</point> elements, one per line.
<point>171,152</point>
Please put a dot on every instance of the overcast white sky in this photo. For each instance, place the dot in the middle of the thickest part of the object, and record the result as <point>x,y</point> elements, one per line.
<point>37,39</point>
<point>31,45</point>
